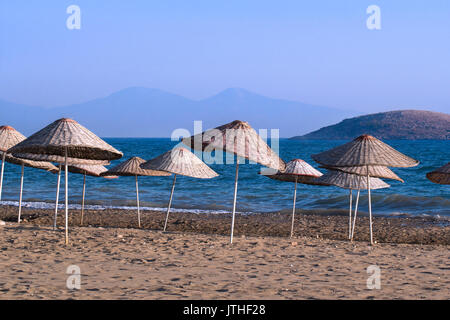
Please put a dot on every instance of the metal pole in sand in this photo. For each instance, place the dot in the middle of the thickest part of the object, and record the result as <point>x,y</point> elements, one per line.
<point>235,195</point>
<point>20,197</point>
<point>170,201</point>
<point>293,209</point>
<point>1,178</point>
<point>57,197</point>
<point>356,207</point>
<point>66,187</point>
<point>82,201</point>
<point>350,216</point>
<point>370,206</point>
<point>137,202</point>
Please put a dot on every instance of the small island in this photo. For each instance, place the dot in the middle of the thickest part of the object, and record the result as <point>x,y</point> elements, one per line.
<point>402,124</point>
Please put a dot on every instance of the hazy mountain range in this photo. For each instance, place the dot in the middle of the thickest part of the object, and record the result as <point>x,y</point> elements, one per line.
<point>144,112</point>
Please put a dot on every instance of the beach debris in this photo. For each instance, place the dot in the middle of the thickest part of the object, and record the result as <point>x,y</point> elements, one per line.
<point>2,223</point>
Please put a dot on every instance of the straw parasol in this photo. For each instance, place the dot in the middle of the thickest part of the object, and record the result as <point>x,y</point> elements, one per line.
<point>352,182</point>
<point>240,139</point>
<point>374,171</point>
<point>132,167</point>
<point>9,137</point>
<point>441,175</point>
<point>365,151</point>
<point>297,170</point>
<point>66,138</point>
<point>179,161</point>
<point>60,159</point>
<point>47,166</point>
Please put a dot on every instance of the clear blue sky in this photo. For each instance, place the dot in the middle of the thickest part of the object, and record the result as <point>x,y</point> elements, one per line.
<point>317,52</point>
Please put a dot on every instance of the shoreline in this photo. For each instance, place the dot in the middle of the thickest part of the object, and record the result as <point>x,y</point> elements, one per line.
<point>130,205</point>
<point>396,229</point>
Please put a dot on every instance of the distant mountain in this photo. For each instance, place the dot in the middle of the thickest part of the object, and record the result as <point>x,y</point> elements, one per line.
<point>144,112</point>
<point>403,124</point>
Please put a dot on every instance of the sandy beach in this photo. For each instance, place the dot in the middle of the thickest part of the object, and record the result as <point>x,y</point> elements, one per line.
<point>186,263</point>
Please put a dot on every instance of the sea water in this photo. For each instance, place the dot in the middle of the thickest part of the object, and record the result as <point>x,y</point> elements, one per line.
<point>256,193</point>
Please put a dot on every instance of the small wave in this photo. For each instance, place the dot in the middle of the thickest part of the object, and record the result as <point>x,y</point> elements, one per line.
<point>46,205</point>
<point>394,205</point>
<point>391,204</point>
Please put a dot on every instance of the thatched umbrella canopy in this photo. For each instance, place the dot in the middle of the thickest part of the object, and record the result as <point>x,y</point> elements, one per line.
<point>441,175</point>
<point>373,171</point>
<point>298,171</point>
<point>365,151</point>
<point>9,137</point>
<point>66,138</point>
<point>47,166</point>
<point>88,170</point>
<point>238,138</point>
<point>179,161</point>
<point>132,167</point>
<point>295,170</point>
<point>61,160</point>
<point>352,182</point>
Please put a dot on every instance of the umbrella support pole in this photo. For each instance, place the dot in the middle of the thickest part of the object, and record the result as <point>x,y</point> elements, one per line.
<point>293,207</point>
<point>234,200</point>
<point>57,197</point>
<point>350,215</point>
<point>137,202</point>
<point>82,200</point>
<point>170,201</point>
<point>354,216</point>
<point>20,197</point>
<point>1,178</point>
<point>66,200</point>
<point>370,206</point>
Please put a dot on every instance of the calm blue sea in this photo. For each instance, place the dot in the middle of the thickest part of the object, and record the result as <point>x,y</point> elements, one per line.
<point>417,196</point>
